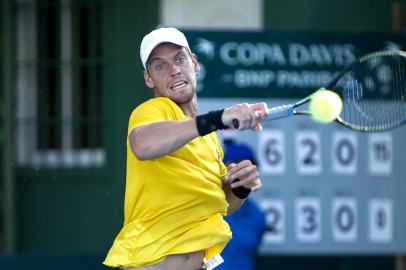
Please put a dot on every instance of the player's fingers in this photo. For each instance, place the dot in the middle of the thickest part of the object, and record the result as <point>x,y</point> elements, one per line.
<point>234,167</point>
<point>245,179</point>
<point>258,127</point>
<point>257,187</point>
<point>256,120</point>
<point>242,168</point>
<point>229,172</point>
<point>261,108</point>
<point>248,117</point>
<point>237,116</point>
<point>252,182</point>
<point>249,120</point>
<point>231,165</point>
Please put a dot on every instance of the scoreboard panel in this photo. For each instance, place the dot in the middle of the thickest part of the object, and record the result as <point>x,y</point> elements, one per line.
<point>326,189</point>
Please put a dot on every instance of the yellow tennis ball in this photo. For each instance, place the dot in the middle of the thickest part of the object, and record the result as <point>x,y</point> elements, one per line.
<point>325,106</point>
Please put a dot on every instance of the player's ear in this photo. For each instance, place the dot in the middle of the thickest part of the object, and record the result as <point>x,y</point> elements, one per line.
<point>148,81</point>
<point>196,65</point>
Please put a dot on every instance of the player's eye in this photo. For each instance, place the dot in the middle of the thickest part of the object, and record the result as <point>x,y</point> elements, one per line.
<point>160,66</point>
<point>180,60</point>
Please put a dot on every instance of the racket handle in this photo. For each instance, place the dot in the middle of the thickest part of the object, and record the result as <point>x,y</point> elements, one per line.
<point>274,113</point>
<point>278,112</point>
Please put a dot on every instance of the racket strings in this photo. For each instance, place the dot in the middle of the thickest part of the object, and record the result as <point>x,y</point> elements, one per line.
<point>398,81</point>
<point>374,94</point>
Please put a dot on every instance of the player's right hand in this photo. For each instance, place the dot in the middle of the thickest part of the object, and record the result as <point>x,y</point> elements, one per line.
<point>247,115</point>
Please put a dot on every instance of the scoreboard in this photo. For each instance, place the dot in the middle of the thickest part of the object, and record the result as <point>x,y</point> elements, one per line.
<point>326,189</point>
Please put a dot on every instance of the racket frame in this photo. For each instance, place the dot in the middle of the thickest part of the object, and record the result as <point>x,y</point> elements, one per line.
<point>288,110</point>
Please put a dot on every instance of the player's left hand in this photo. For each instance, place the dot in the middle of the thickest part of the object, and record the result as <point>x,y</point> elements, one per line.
<point>247,174</point>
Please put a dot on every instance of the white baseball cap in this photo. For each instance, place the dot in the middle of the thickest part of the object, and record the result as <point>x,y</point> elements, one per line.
<point>158,36</point>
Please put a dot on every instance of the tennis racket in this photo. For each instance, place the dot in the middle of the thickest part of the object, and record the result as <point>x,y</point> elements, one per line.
<point>373,91</point>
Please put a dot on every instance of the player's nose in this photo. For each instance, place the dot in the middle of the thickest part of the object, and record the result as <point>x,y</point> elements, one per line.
<point>174,69</point>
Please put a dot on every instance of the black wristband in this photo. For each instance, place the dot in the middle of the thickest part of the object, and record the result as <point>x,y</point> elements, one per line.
<point>241,192</point>
<point>207,123</point>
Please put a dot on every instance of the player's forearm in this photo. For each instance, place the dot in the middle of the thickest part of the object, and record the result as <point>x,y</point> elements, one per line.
<point>159,139</point>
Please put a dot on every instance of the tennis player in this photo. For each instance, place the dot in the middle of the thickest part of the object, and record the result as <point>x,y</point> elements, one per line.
<point>177,188</point>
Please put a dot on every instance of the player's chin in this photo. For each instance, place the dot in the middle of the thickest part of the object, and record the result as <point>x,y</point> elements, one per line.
<point>184,95</point>
<point>182,98</point>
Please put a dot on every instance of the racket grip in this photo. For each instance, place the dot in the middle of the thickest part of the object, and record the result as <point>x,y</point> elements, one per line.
<point>278,112</point>
<point>274,113</point>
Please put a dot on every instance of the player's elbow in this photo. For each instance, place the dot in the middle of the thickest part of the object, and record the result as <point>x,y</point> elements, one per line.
<point>140,155</point>
<point>140,152</point>
<point>139,149</point>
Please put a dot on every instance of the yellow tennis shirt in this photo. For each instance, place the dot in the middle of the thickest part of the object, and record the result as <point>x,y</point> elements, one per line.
<point>173,204</point>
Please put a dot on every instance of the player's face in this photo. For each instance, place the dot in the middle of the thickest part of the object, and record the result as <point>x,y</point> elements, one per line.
<point>171,72</point>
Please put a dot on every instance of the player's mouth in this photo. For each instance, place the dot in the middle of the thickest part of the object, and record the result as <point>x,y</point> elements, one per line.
<point>177,85</point>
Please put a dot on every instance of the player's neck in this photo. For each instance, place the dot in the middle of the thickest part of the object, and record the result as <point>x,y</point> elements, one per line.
<point>190,108</point>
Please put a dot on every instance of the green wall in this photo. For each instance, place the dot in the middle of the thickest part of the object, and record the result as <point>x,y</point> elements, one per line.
<point>338,15</point>
<point>80,210</point>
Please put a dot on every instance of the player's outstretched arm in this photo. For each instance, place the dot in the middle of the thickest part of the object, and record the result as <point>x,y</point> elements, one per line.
<point>161,138</point>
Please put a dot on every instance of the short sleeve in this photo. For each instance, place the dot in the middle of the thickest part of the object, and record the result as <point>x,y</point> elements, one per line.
<point>154,110</point>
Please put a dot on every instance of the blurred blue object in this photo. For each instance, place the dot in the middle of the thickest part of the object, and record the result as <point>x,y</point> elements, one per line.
<point>236,152</point>
<point>248,223</point>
